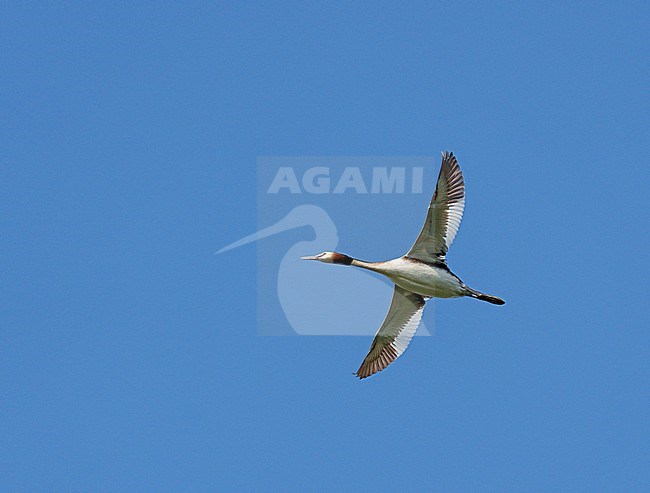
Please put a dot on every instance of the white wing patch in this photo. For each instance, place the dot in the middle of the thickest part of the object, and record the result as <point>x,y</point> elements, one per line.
<point>444,214</point>
<point>395,333</point>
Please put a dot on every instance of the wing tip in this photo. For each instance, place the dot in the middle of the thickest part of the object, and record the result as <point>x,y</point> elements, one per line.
<point>379,363</point>
<point>449,157</point>
<point>359,375</point>
<point>366,372</point>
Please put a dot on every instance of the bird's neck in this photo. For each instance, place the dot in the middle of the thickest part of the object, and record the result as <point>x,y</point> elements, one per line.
<point>342,259</point>
<point>365,265</point>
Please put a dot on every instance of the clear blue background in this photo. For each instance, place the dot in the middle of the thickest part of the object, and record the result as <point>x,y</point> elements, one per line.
<point>128,354</point>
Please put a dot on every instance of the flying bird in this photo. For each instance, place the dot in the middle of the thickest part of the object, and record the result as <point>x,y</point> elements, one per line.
<point>419,275</point>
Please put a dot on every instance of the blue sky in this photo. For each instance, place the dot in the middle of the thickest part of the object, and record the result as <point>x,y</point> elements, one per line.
<point>129,358</point>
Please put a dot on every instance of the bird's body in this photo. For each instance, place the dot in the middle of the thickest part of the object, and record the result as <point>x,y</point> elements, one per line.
<point>430,280</point>
<point>420,274</point>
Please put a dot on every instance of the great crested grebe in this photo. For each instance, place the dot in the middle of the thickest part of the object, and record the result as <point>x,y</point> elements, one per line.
<point>420,274</point>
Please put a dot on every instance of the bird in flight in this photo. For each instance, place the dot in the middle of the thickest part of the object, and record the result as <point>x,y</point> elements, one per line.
<point>419,275</point>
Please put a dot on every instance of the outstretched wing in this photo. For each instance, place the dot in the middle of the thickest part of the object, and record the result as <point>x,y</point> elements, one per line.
<point>444,214</point>
<point>395,333</point>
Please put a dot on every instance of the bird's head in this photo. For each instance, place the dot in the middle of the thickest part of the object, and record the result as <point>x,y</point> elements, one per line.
<point>330,258</point>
